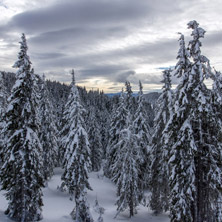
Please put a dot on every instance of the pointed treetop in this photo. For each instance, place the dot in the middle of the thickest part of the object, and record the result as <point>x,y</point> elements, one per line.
<point>193,24</point>
<point>167,79</point>
<point>140,88</point>
<point>23,43</point>
<point>198,32</point>
<point>74,88</point>
<point>122,95</point>
<point>23,62</point>
<point>128,88</point>
<point>43,77</point>
<point>73,77</point>
<point>195,51</point>
<point>183,58</point>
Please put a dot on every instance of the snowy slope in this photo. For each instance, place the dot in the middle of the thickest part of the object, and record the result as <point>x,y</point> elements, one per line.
<point>57,206</point>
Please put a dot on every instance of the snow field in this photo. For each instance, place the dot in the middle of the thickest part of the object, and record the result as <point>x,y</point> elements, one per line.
<point>57,205</point>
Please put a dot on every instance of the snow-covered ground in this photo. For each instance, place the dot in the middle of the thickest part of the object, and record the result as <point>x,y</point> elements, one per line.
<point>57,206</point>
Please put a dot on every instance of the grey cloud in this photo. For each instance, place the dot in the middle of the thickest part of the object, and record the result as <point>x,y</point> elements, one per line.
<point>78,37</point>
<point>79,13</point>
<point>102,64</point>
<point>115,73</point>
<point>46,56</point>
<point>69,33</point>
<point>123,76</point>
<point>96,13</point>
<point>147,78</point>
<point>102,70</point>
<point>213,38</point>
<point>162,51</point>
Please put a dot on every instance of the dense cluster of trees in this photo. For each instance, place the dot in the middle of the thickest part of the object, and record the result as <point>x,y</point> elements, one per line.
<point>176,156</point>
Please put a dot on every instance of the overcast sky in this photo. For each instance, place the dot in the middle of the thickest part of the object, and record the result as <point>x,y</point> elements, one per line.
<point>106,41</point>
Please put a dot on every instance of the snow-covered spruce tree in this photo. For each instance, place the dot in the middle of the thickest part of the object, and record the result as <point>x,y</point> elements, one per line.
<point>66,119</point>
<point>130,101</point>
<point>158,180</point>
<point>180,140</point>
<point>194,136</point>
<point>76,161</point>
<point>48,132</point>
<point>104,121</point>
<point>143,132</point>
<point>118,122</point>
<point>94,141</point>
<point>216,100</point>
<point>207,130</point>
<point>81,212</point>
<point>3,106</point>
<point>216,95</point>
<point>21,173</point>
<point>100,210</point>
<point>126,170</point>
<point>3,96</point>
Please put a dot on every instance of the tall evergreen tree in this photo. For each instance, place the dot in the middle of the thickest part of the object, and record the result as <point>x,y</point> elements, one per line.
<point>129,96</point>
<point>48,132</point>
<point>104,122</point>
<point>3,106</point>
<point>193,133</point>
<point>77,154</point>
<point>143,132</point>
<point>217,94</point>
<point>21,173</point>
<point>118,123</point>
<point>94,141</point>
<point>66,120</point>
<point>3,95</point>
<point>126,170</point>
<point>180,140</point>
<point>131,103</point>
<point>158,170</point>
<point>81,212</point>
<point>216,100</point>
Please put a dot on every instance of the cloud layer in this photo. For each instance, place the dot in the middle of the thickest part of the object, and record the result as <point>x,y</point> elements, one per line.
<point>108,42</point>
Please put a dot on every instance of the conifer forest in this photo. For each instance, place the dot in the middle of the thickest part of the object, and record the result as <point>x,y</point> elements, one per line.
<point>162,152</point>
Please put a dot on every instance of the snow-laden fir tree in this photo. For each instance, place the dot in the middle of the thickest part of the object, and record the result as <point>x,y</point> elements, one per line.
<point>143,132</point>
<point>67,117</point>
<point>76,161</point>
<point>130,100</point>
<point>48,132</point>
<point>100,210</point>
<point>207,130</point>
<point>216,100</point>
<point>128,96</point>
<point>194,137</point>
<point>104,121</point>
<point>118,122</point>
<point>216,96</point>
<point>158,180</point>
<point>3,96</point>
<point>66,120</point>
<point>21,173</point>
<point>81,212</point>
<point>126,170</point>
<point>94,141</point>
<point>180,142</point>
<point>3,105</point>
